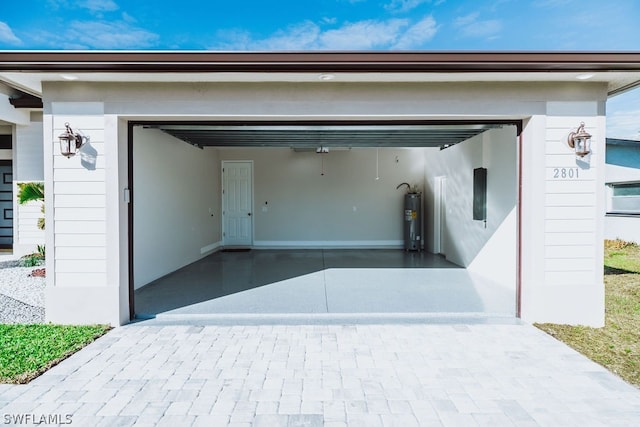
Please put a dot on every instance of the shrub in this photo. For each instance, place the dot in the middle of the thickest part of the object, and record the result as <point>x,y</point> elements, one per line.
<point>618,244</point>
<point>32,260</point>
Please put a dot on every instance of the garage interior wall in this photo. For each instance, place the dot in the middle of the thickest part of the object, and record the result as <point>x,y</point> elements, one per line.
<point>176,204</point>
<point>488,249</point>
<point>178,185</point>
<point>297,206</point>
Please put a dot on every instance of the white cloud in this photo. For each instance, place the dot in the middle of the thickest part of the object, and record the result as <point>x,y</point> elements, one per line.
<point>236,39</point>
<point>7,35</point>
<point>99,5</point>
<point>128,18</point>
<point>551,3</point>
<point>56,4</point>
<point>363,35</point>
<point>111,35</point>
<point>470,26</point>
<point>462,21</point>
<point>300,36</point>
<point>404,5</point>
<point>360,35</point>
<point>91,5</point>
<point>98,35</point>
<point>418,34</point>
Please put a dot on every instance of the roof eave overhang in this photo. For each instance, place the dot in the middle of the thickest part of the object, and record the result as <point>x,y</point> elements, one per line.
<point>316,61</point>
<point>26,101</point>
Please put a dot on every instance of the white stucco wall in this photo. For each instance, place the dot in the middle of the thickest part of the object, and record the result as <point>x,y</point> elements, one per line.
<point>29,151</point>
<point>10,114</point>
<point>296,206</point>
<point>176,204</point>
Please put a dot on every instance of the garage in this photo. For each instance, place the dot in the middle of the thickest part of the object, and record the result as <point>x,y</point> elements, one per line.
<point>155,133</point>
<point>265,218</point>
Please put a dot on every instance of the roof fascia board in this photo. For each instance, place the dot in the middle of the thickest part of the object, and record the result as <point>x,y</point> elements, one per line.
<point>324,61</point>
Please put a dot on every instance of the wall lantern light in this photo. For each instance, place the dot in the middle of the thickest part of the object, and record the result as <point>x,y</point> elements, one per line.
<point>580,141</point>
<point>70,142</point>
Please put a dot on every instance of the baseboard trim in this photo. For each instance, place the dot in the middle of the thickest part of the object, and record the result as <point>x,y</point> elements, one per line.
<point>313,244</point>
<point>210,248</point>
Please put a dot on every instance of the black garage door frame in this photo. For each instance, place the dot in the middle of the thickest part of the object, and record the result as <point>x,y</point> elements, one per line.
<point>130,165</point>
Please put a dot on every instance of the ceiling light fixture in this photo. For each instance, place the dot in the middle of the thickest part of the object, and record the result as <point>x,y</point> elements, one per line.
<point>325,77</point>
<point>69,77</point>
<point>585,76</point>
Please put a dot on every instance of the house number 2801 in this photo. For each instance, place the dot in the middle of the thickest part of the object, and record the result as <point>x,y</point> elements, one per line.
<point>565,173</point>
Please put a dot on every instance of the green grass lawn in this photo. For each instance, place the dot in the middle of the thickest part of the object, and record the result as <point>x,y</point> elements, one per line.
<point>27,351</point>
<point>617,345</point>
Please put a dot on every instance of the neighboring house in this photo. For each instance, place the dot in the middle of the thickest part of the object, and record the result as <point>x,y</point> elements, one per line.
<point>623,190</point>
<point>187,152</point>
<point>19,121</point>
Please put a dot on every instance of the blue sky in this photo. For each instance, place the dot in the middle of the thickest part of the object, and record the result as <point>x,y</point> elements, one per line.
<point>333,25</point>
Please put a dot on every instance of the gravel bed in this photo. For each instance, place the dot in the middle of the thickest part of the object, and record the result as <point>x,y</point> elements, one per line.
<point>21,296</point>
<point>14,311</point>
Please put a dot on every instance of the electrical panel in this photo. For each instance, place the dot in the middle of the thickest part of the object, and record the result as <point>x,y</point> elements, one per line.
<point>480,194</point>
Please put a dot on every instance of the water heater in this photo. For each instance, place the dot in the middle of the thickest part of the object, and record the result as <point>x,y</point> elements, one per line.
<point>413,222</point>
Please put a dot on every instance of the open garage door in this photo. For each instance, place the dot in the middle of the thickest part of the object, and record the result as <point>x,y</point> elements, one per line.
<point>326,218</point>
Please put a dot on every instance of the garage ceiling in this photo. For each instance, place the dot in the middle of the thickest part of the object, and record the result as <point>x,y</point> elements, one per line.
<point>335,135</point>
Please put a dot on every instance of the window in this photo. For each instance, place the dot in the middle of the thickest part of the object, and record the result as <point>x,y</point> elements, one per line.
<point>624,198</point>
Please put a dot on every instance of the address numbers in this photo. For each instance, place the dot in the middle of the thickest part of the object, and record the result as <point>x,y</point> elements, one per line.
<point>566,173</point>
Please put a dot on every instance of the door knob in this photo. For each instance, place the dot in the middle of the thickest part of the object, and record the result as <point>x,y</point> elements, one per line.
<point>249,214</point>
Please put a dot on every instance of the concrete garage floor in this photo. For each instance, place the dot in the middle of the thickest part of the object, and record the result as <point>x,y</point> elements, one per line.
<point>325,285</point>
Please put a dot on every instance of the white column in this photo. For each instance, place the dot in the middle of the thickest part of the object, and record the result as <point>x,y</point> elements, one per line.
<point>79,290</point>
<point>563,211</point>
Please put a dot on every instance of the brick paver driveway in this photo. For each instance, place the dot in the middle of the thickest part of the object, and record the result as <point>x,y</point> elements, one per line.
<point>333,375</point>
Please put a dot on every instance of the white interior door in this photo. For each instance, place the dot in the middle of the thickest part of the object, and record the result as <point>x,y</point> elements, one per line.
<point>237,203</point>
